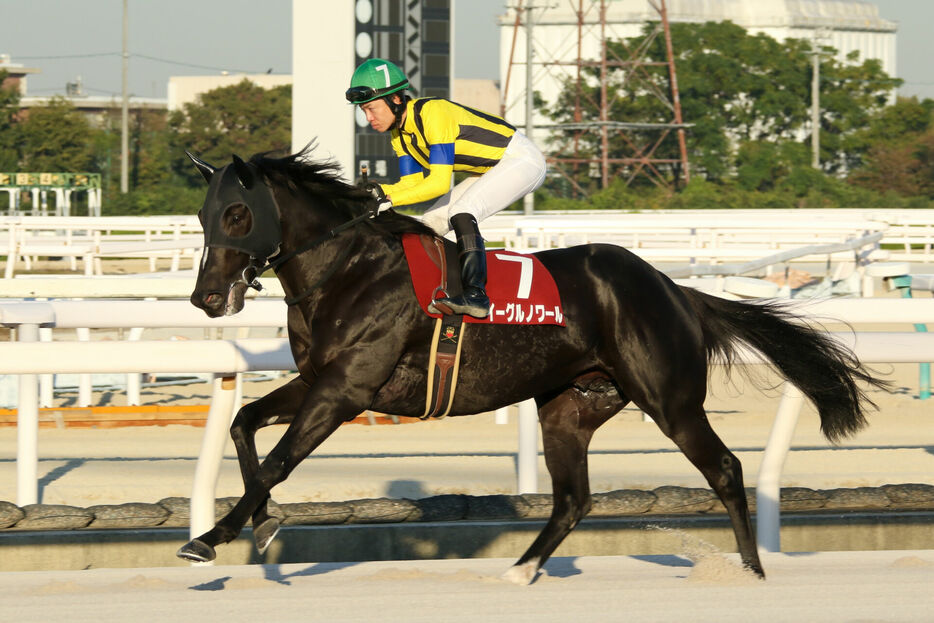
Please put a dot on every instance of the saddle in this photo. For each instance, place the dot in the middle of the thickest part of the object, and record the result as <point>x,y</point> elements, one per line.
<point>521,291</point>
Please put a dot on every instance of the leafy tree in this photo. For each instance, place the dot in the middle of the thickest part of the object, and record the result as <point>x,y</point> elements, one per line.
<point>9,106</point>
<point>240,119</point>
<point>735,88</point>
<point>899,153</point>
<point>851,94</point>
<point>56,137</point>
<point>162,199</point>
<point>150,153</point>
<point>892,166</point>
<point>905,119</point>
<point>761,165</point>
<point>153,187</point>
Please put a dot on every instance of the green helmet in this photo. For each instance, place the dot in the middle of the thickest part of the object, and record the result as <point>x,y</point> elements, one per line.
<point>373,79</point>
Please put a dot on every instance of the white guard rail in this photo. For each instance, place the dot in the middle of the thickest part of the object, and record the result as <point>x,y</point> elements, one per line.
<point>160,285</point>
<point>225,358</point>
<point>92,238</point>
<point>715,235</point>
<point>145,314</point>
<point>104,314</point>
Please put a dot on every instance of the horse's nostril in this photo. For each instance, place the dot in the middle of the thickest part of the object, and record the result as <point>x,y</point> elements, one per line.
<point>213,299</point>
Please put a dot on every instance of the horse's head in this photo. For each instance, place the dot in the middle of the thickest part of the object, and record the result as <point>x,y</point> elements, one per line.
<point>241,231</point>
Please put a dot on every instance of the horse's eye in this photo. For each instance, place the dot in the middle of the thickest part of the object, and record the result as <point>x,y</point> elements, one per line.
<point>237,220</point>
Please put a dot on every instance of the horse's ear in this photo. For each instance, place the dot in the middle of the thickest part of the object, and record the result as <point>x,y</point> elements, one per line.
<point>243,172</point>
<point>207,171</point>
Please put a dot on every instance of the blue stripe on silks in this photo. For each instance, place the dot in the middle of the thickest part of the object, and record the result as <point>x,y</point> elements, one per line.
<point>441,154</point>
<point>408,165</point>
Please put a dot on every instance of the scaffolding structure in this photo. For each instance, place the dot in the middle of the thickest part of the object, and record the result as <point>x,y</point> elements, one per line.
<point>549,62</point>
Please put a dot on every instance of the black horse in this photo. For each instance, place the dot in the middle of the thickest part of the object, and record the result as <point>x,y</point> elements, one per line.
<point>360,341</point>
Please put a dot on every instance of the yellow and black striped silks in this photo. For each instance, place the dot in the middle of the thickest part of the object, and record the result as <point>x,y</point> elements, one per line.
<point>438,137</point>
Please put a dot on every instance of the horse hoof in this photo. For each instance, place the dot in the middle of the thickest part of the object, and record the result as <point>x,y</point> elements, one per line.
<point>196,551</point>
<point>264,533</point>
<point>523,574</point>
<point>760,573</point>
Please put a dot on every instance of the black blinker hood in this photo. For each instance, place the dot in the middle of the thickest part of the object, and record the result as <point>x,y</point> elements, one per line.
<point>242,183</point>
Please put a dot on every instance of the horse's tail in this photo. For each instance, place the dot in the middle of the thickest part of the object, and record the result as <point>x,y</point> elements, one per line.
<point>825,371</point>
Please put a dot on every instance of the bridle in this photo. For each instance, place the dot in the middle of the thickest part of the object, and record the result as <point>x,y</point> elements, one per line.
<point>279,260</point>
<point>263,246</point>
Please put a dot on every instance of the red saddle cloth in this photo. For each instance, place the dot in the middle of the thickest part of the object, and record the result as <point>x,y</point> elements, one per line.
<point>521,289</point>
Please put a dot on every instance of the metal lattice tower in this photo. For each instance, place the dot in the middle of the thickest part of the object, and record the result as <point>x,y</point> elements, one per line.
<point>550,62</point>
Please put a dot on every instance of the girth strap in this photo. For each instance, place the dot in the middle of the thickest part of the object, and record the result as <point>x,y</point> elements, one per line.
<point>443,365</point>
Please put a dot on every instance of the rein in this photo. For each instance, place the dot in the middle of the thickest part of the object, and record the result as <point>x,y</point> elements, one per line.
<point>278,261</point>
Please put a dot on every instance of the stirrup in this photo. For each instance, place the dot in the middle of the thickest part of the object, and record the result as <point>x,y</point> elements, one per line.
<point>460,304</point>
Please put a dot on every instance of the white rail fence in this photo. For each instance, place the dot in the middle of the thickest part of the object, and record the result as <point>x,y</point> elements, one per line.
<point>227,358</point>
<point>857,253</point>
<point>267,311</point>
<point>93,239</point>
<point>719,235</point>
<point>709,236</point>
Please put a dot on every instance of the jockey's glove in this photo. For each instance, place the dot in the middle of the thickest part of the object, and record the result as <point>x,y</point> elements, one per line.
<point>380,202</point>
<point>381,206</point>
<point>376,190</point>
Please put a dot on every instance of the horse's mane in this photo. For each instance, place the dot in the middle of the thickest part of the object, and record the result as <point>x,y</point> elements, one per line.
<point>321,180</point>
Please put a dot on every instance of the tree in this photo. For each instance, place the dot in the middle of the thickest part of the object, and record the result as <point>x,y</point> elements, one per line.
<point>56,137</point>
<point>899,150</point>
<point>906,119</point>
<point>735,88</point>
<point>761,165</point>
<point>9,107</point>
<point>242,119</point>
<point>150,155</point>
<point>851,94</point>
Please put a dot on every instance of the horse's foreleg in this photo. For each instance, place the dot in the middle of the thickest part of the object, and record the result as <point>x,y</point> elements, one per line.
<point>700,444</point>
<point>568,422</point>
<point>315,422</point>
<point>276,407</point>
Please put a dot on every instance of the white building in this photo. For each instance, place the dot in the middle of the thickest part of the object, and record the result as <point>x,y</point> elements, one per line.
<point>330,39</point>
<point>845,25</point>
<point>322,62</point>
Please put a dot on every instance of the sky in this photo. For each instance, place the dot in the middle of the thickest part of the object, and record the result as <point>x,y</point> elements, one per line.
<point>66,39</point>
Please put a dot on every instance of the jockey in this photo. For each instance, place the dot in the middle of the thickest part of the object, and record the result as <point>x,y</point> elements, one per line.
<point>434,137</point>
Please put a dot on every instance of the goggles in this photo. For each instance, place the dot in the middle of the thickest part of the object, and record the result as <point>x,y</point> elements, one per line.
<point>359,95</point>
<point>363,94</point>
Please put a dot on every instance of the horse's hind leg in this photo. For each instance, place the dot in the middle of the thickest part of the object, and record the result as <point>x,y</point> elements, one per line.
<point>276,407</point>
<point>691,431</point>
<point>568,422</point>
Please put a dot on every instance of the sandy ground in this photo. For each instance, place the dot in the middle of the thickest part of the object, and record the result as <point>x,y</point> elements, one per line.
<point>698,586</point>
<point>474,454</point>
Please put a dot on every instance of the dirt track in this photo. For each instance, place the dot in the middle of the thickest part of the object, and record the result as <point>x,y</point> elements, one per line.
<point>699,585</point>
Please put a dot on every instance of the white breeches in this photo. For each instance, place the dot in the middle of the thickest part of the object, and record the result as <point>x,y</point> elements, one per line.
<point>520,171</point>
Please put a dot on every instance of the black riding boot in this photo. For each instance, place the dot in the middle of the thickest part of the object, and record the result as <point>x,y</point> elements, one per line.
<point>474,301</point>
